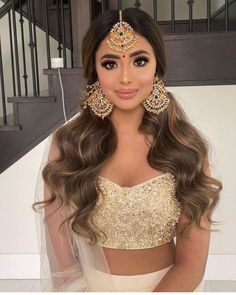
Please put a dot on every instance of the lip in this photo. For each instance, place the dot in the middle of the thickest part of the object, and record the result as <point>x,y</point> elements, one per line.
<point>126,93</point>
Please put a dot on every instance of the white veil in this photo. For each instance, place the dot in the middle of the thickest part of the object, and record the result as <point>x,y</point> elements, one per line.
<point>68,261</point>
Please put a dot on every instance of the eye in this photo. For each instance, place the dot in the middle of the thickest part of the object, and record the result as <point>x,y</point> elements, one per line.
<point>141,61</point>
<point>109,64</point>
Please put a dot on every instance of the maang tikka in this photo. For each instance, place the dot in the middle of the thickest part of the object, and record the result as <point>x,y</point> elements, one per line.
<point>121,38</point>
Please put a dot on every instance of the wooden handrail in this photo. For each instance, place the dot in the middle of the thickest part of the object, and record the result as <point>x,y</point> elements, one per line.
<point>7,7</point>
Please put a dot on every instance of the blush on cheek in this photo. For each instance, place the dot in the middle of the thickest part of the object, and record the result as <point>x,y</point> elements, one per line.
<point>146,78</point>
<point>106,84</point>
<point>105,80</point>
<point>146,83</point>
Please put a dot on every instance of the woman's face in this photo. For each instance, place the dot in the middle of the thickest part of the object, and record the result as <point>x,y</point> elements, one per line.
<point>126,79</point>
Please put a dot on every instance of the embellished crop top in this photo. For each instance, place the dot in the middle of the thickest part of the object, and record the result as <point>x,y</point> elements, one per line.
<point>137,217</point>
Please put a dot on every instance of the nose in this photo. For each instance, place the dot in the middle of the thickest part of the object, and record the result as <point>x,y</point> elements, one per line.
<point>125,76</point>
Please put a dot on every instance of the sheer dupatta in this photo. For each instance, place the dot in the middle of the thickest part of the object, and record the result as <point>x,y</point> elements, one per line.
<point>68,261</point>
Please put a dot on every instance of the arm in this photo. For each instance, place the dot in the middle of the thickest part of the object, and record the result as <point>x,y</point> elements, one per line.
<point>64,268</point>
<point>190,260</point>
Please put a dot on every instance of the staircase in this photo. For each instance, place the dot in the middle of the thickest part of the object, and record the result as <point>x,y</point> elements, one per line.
<point>199,52</point>
<point>35,111</point>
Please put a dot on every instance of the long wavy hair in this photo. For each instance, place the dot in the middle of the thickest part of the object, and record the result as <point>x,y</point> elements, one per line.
<point>86,142</point>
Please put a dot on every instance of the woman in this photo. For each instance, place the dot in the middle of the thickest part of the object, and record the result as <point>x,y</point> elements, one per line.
<point>127,175</point>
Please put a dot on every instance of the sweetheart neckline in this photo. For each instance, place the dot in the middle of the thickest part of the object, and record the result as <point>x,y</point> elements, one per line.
<point>134,186</point>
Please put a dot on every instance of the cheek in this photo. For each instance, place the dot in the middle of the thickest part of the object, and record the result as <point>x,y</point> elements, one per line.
<point>106,80</point>
<point>146,76</point>
<point>105,83</point>
<point>146,81</point>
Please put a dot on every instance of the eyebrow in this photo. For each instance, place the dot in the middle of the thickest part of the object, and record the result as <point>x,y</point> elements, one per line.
<point>109,55</point>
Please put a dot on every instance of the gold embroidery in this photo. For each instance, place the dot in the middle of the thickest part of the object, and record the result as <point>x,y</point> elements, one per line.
<point>142,216</point>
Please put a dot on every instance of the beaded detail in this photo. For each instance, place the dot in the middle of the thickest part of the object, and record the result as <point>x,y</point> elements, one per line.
<point>137,217</point>
<point>158,100</point>
<point>122,37</point>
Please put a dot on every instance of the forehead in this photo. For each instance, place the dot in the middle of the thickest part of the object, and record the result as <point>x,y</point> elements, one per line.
<point>141,44</point>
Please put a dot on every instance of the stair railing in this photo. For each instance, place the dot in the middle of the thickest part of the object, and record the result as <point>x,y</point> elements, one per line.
<point>111,4</point>
<point>22,20</point>
<point>4,10</point>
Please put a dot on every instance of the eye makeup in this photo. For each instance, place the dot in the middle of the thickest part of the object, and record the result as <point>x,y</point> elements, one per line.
<point>108,62</point>
<point>142,59</point>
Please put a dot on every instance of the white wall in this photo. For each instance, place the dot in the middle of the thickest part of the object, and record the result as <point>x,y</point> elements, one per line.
<point>216,4</point>
<point>211,109</point>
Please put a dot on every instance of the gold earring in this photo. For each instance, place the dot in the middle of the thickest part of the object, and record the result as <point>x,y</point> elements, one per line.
<point>97,101</point>
<point>158,99</point>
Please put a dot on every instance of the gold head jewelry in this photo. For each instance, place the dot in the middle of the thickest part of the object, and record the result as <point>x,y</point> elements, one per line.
<point>122,37</point>
<point>97,101</point>
<point>158,99</point>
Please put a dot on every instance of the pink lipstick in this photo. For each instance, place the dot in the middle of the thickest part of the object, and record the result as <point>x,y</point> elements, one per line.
<point>126,93</point>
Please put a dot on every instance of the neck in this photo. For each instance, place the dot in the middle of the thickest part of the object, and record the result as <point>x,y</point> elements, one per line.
<point>127,122</point>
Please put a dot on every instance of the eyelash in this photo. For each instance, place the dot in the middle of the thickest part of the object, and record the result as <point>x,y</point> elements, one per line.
<point>141,58</point>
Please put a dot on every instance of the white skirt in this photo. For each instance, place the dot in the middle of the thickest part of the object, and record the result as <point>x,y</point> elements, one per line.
<point>101,281</point>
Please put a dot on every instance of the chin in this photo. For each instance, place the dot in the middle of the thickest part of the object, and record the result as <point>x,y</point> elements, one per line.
<point>130,107</point>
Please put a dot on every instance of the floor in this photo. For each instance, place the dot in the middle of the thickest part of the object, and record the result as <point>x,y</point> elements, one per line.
<point>33,285</point>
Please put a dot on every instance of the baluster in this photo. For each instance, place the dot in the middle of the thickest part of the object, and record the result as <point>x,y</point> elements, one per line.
<point>25,76</point>
<point>226,16</point>
<point>137,4</point>
<point>16,49</point>
<point>172,16</point>
<point>2,87</point>
<point>208,15</point>
<point>35,48</point>
<point>71,35</point>
<point>190,3</point>
<point>104,5</point>
<point>93,10</point>
<point>120,4</point>
<point>31,46</point>
<point>12,55</point>
<point>154,5</point>
<point>63,33</point>
<point>47,34</point>
<point>59,48</point>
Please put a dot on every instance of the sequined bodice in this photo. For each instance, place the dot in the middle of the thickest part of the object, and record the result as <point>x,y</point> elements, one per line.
<point>137,217</point>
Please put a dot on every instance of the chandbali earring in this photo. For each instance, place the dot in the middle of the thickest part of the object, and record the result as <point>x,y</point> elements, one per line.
<point>97,101</point>
<point>158,99</point>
